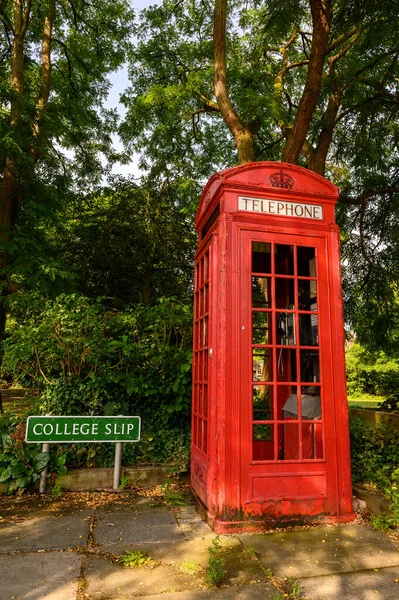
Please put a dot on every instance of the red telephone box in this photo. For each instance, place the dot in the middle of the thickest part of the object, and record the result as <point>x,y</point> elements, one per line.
<point>270,440</point>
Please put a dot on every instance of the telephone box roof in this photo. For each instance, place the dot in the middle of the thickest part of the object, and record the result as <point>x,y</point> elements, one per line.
<point>265,176</point>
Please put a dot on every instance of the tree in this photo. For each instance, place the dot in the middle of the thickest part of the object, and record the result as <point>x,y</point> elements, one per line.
<point>54,60</point>
<point>131,243</point>
<point>309,82</point>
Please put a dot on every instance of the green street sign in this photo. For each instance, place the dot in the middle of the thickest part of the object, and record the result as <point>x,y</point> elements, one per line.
<point>75,430</point>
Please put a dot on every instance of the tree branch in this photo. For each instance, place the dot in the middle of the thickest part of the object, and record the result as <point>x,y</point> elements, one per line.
<point>208,104</point>
<point>367,195</point>
<point>242,134</point>
<point>46,74</point>
<point>361,228</point>
<point>321,19</point>
<point>342,38</point>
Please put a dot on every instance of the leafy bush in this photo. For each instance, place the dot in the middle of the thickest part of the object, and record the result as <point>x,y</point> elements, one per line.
<point>389,520</point>
<point>21,464</point>
<point>92,360</point>
<point>372,373</point>
<point>374,452</point>
<point>215,570</point>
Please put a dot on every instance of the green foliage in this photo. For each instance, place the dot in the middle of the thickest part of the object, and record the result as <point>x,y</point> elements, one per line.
<point>98,361</point>
<point>124,482</point>
<point>374,452</point>
<point>132,260</point>
<point>89,359</point>
<point>191,567</point>
<point>172,496</point>
<point>215,571</point>
<point>57,490</point>
<point>371,372</point>
<point>173,121</point>
<point>268,573</point>
<point>21,463</point>
<point>389,520</point>
<point>89,41</point>
<point>293,589</point>
<point>134,558</point>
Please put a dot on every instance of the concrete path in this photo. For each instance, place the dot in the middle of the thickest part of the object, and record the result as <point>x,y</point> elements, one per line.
<point>67,549</point>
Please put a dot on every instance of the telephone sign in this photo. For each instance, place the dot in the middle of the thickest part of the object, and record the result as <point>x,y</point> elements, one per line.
<point>288,209</point>
<point>270,440</point>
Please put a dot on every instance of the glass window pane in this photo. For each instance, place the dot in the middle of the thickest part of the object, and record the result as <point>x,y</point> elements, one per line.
<point>200,400</point>
<point>307,294</point>
<point>286,364</point>
<point>310,370</point>
<point>206,365</point>
<point>290,441</point>
<point>262,364</point>
<point>205,436</point>
<point>284,293</point>
<point>261,292</point>
<point>262,432</point>
<point>262,402</point>
<point>306,261</point>
<point>290,408</point>
<point>263,444</point>
<point>205,401</point>
<point>196,302</point>
<point>206,271</point>
<point>201,273</point>
<point>285,328</point>
<point>312,441</point>
<point>284,259</point>
<point>261,257</point>
<point>205,332</point>
<point>261,333</point>
<point>206,298</point>
<point>308,330</point>
<point>311,403</point>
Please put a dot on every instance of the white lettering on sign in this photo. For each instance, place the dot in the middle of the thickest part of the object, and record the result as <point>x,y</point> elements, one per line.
<point>282,207</point>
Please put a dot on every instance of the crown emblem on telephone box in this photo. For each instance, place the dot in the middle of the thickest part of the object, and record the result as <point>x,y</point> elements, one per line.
<point>282,180</point>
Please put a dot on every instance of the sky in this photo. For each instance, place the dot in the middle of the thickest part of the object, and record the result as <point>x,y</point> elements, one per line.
<point>120,82</point>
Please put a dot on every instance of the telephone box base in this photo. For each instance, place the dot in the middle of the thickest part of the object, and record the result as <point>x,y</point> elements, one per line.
<point>267,522</point>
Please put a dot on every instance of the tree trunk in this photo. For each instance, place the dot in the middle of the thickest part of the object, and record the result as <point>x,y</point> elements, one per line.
<point>242,134</point>
<point>46,75</point>
<point>321,18</point>
<point>9,201</point>
<point>317,162</point>
<point>8,189</point>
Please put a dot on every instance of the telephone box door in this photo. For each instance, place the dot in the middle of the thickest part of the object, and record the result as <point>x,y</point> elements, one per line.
<point>287,437</point>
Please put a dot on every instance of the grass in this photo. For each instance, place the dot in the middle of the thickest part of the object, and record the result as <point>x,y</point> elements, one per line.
<point>17,401</point>
<point>365,401</point>
<point>134,558</point>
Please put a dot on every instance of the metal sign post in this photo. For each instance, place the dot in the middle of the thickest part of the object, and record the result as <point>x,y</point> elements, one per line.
<point>79,430</point>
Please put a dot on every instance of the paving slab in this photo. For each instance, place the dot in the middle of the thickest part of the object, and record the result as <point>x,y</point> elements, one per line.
<point>45,533</point>
<point>52,575</point>
<point>261,591</point>
<point>323,550</point>
<point>195,550</point>
<point>191,524</point>
<point>136,525</point>
<point>378,584</point>
<point>107,580</point>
